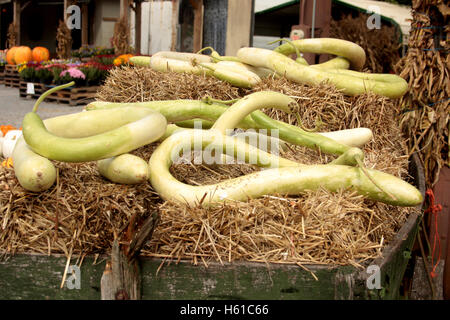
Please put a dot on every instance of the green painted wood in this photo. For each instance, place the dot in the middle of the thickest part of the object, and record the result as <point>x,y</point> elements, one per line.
<point>241,281</point>
<point>393,268</point>
<point>38,277</point>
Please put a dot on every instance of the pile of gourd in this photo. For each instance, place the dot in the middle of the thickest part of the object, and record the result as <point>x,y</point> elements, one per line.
<point>106,132</point>
<point>251,64</point>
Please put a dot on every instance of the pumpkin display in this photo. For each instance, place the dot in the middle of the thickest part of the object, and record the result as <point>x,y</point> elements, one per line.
<point>40,54</point>
<point>22,55</point>
<point>10,55</point>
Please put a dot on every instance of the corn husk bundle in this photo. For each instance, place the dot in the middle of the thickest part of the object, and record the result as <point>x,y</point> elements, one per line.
<point>425,108</point>
<point>64,39</point>
<point>11,37</point>
<point>382,45</point>
<point>121,37</point>
<point>83,212</point>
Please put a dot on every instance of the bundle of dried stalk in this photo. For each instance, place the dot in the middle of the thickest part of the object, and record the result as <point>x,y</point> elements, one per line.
<point>425,108</point>
<point>382,46</point>
<point>121,37</point>
<point>81,214</point>
<point>11,37</point>
<point>64,39</point>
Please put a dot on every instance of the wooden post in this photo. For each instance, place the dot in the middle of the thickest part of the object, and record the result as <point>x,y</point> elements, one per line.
<point>198,24</point>
<point>16,19</point>
<point>121,279</point>
<point>317,26</point>
<point>138,26</point>
<point>84,25</point>
<point>66,5</point>
<point>239,25</point>
<point>124,4</point>
<point>175,15</point>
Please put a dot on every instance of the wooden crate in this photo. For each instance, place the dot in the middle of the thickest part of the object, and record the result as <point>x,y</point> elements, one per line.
<point>30,276</point>
<point>11,76</point>
<point>2,74</point>
<point>73,96</point>
<point>70,96</point>
<point>39,88</point>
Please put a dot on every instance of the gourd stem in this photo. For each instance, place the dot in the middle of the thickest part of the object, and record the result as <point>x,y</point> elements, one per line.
<point>363,169</point>
<point>210,100</point>
<point>205,48</point>
<point>299,59</point>
<point>50,91</point>
<point>214,54</point>
<point>300,124</point>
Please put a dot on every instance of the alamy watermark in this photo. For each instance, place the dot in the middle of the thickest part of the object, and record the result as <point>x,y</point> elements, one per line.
<point>374,279</point>
<point>205,147</point>
<point>73,281</point>
<point>374,20</point>
<point>74,19</point>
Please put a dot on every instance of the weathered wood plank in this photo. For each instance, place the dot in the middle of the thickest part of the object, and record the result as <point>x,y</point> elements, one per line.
<point>421,289</point>
<point>198,24</point>
<point>238,281</point>
<point>38,277</point>
<point>138,26</point>
<point>215,24</point>
<point>239,24</point>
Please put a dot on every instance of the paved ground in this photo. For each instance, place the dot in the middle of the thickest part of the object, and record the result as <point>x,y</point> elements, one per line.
<point>13,108</point>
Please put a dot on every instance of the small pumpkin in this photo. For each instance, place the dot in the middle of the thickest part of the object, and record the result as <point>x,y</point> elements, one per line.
<point>22,55</point>
<point>40,54</point>
<point>10,55</point>
<point>9,142</point>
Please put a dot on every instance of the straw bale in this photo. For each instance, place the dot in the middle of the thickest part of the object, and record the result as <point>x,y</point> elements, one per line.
<point>83,212</point>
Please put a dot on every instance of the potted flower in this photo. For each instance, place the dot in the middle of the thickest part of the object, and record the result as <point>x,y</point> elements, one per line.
<point>44,75</point>
<point>72,74</point>
<point>27,71</point>
<point>122,59</point>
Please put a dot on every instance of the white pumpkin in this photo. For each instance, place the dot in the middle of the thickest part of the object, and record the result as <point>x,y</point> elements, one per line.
<point>9,142</point>
<point>1,143</point>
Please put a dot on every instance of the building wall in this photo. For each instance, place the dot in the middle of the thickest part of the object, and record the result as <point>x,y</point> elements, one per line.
<point>103,30</point>
<point>227,25</point>
<point>158,27</point>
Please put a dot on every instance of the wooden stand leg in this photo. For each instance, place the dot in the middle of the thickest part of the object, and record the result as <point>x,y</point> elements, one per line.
<point>121,279</point>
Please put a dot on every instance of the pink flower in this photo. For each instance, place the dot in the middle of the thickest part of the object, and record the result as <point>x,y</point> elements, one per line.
<point>74,73</point>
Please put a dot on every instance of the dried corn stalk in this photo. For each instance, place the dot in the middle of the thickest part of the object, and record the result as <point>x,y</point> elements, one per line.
<point>11,40</point>
<point>121,38</point>
<point>425,108</point>
<point>64,39</point>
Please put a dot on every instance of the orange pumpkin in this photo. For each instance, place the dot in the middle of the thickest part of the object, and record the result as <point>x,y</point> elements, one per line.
<point>22,55</point>
<point>40,54</point>
<point>10,55</point>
